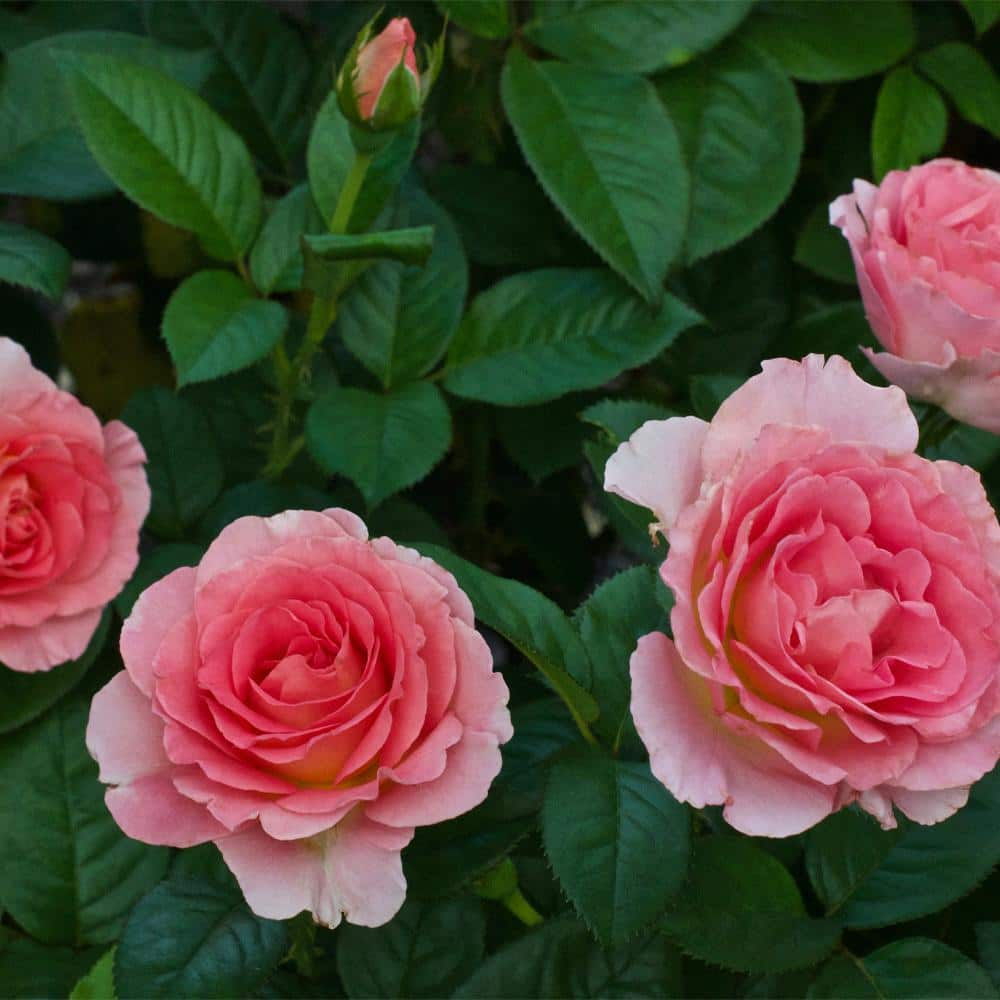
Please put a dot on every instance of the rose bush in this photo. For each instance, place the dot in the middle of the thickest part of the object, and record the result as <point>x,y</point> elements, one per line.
<point>926,249</point>
<point>323,276</point>
<point>836,632</point>
<point>305,698</point>
<point>73,495</point>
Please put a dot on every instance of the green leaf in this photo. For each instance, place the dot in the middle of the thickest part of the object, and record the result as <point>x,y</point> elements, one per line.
<point>503,216</point>
<point>195,937</point>
<point>167,150</point>
<point>530,622</point>
<point>611,621</point>
<point>740,126</point>
<point>331,154</point>
<point>262,70</point>
<point>580,131</point>
<point>742,910</point>
<point>559,959</point>
<point>633,834</point>
<point>486,18</point>
<point>276,259</point>
<point>911,122</point>
<point>745,295</point>
<point>833,40</point>
<point>154,566</point>
<point>843,852</point>
<point>99,983</point>
<point>42,152</point>
<point>398,320</point>
<point>639,37</point>
<point>214,326</point>
<point>542,440</point>
<point>922,868</point>
<point>822,249</point>
<point>443,858</point>
<point>967,77</point>
<point>988,948</point>
<point>382,443</point>
<point>541,334</point>
<point>33,971</point>
<point>23,697</point>
<point>984,13</point>
<point>426,950</point>
<point>32,260</point>
<point>77,875</point>
<point>911,969</point>
<point>185,470</point>
<point>619,418</point>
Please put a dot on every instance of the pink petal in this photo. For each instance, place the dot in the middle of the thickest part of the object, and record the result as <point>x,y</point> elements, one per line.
<point>259,536</point>
<point>126,462</point>
<point>472,765</point>
<point>152,810</point>
<point>659,467</point>
<point>967,388</point>
<point>701,763</point>
<point>808,393</point>
<point>154,614</point>
<point>354,872</point>
<point>124,736</point>
<point>46,645</point>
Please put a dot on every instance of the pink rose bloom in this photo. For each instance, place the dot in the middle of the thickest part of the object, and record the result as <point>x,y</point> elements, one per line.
<point>926,248</point>
<point>73,496</point>
<point>305,698</point>
<point>836,622</point>
<point>379,58</point>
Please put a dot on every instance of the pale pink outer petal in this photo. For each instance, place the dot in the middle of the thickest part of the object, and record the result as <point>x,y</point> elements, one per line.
<point>126,460</point>
<point>151,809</point>
<point>929,807</point>
<point>965,486</point>
<point>472,765</point>
<point>19,378</point>
<point>352,871</point>
<point>850,213</point>
<point>159,607</point>
<point>953,763</point>
<point>659,467</point>
<point>481,693</point>
<point>967,388</point>
<point>258,536</point>
<point>458,601</point>
<point>44,646</point>
<point>808,393</point>
<point>702,763</point>
<point>124,735</point>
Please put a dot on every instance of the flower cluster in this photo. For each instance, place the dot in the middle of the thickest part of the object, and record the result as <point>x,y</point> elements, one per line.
<point>305,696</point>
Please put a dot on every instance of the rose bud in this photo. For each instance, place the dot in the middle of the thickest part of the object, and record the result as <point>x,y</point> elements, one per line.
<point>836,631</point>
<point>379,86</point>
<point>73,496</point>
<point>926,249</point>
<point>305,698</point>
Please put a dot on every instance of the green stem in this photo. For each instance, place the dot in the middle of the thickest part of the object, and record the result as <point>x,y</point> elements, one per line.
<point>291,375</point>
<point>349,193</point>
<point>522,909</point>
